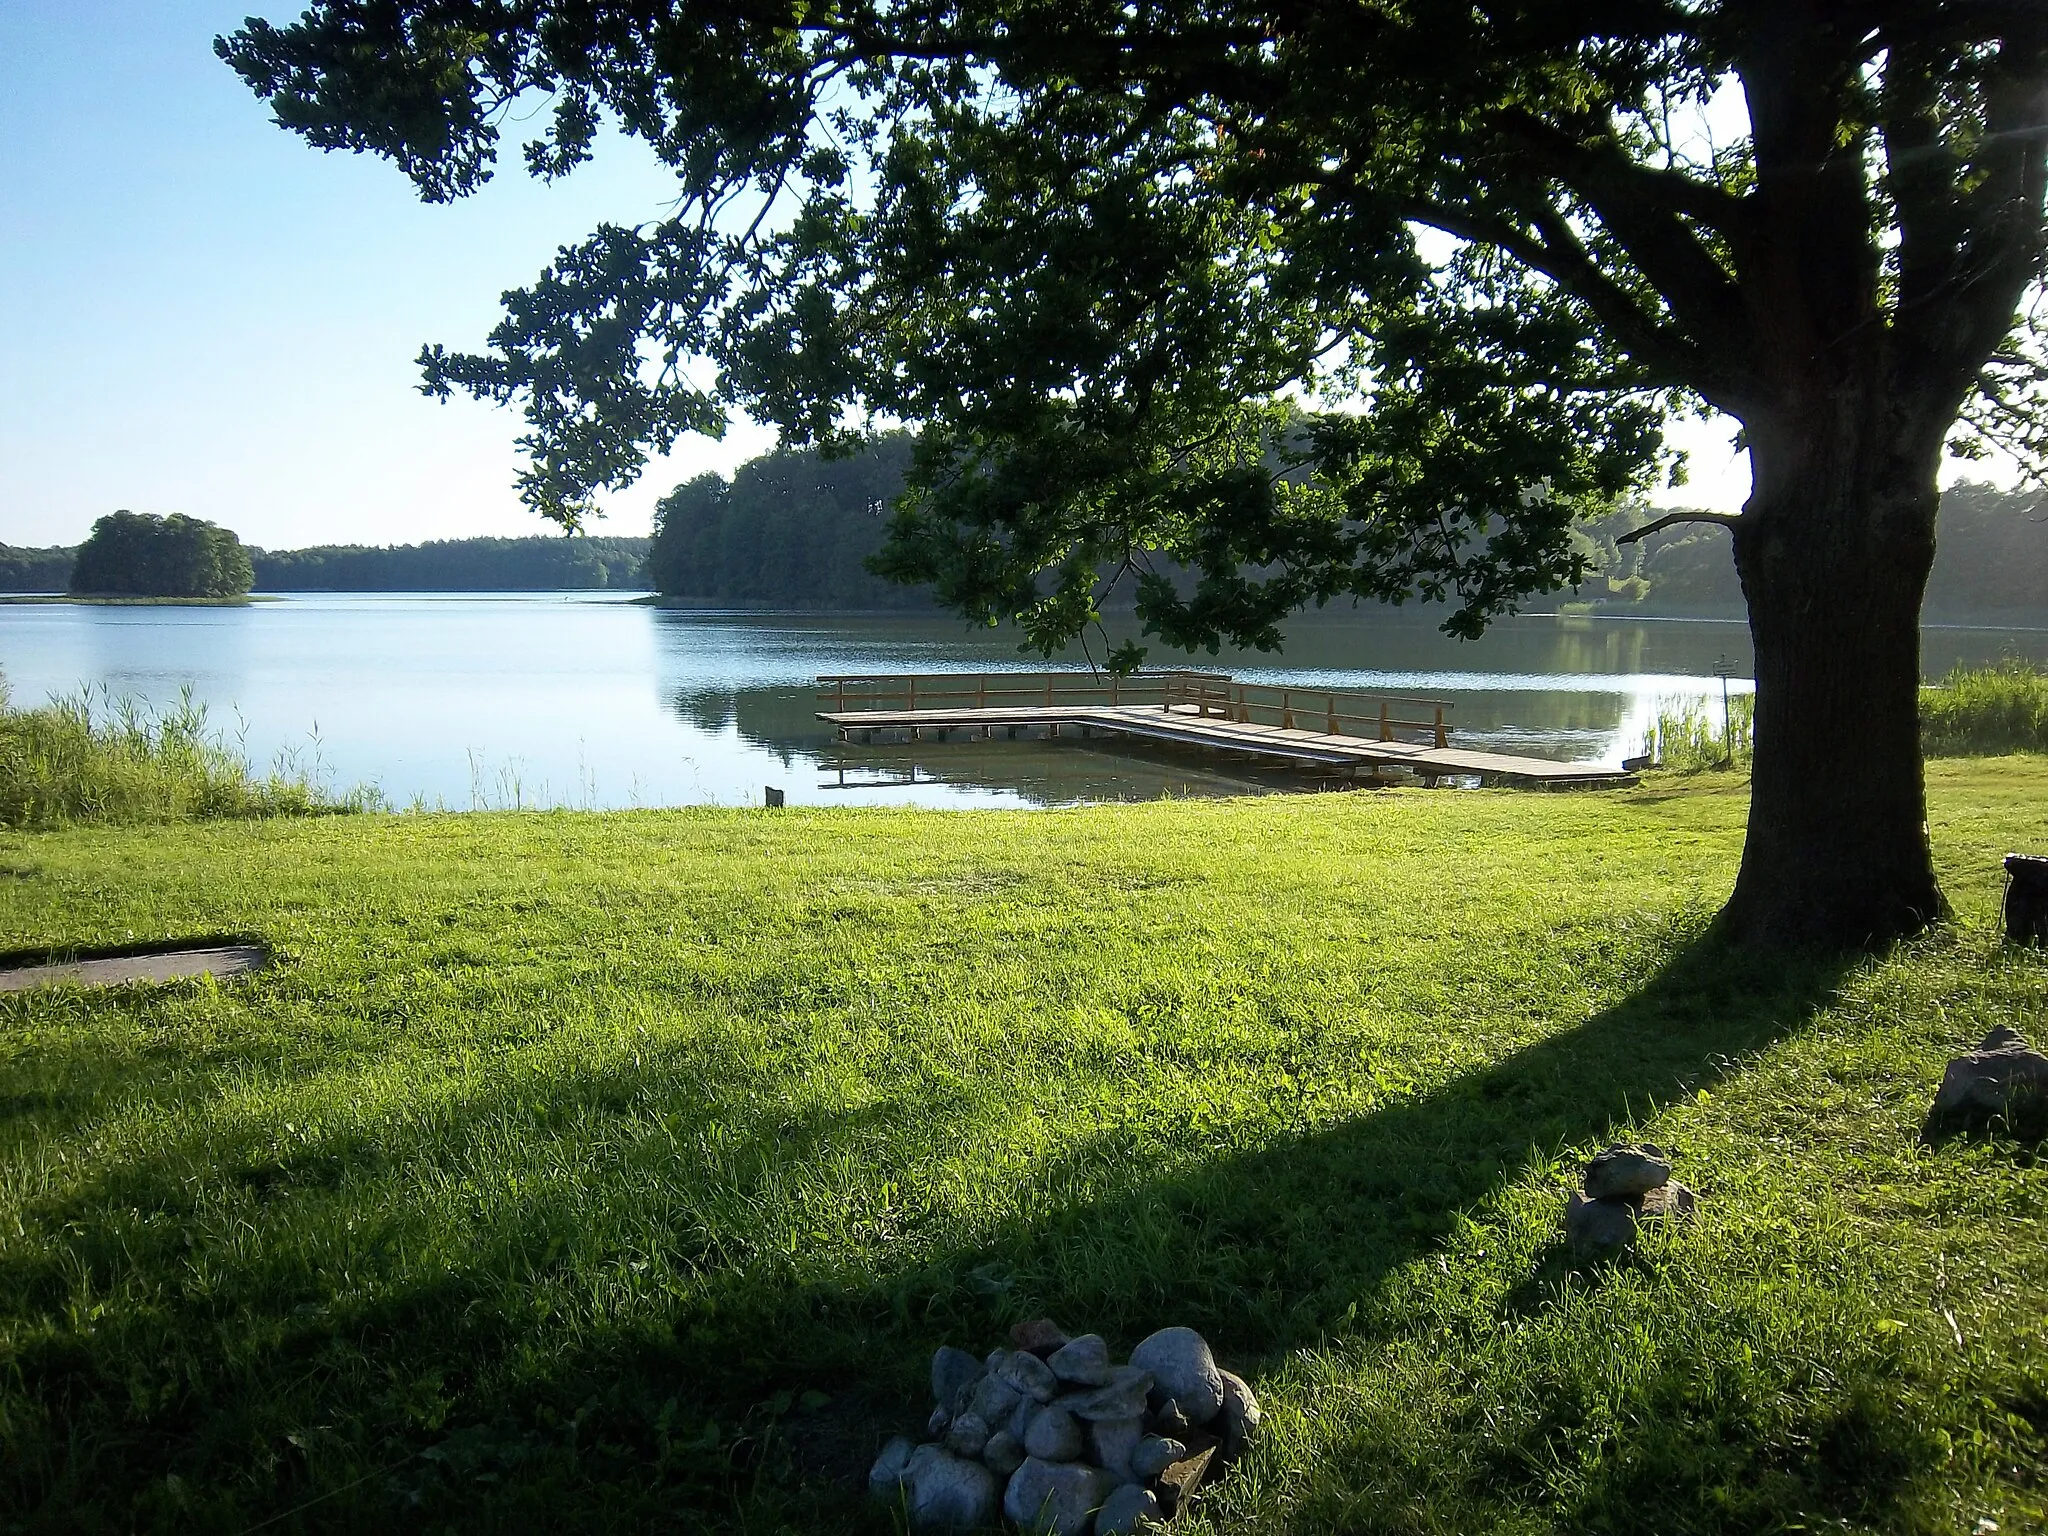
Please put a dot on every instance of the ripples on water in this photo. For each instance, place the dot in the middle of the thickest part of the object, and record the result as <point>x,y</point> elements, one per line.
<point>590,699</point>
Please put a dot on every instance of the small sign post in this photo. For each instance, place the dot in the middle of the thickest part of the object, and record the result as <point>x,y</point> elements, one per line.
<point>1725,669</point>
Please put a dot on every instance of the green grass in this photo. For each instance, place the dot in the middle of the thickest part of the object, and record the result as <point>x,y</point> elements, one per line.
<point>87,759</point>
<point>1974,711</point>
<point>617,1172</point>
<point>1691,734</point>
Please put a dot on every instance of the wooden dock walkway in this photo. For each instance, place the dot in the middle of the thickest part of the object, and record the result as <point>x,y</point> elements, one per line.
<point>1332,731</point>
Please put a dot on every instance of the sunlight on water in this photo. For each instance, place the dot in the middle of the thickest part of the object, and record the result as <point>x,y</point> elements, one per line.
<point>591,700</point>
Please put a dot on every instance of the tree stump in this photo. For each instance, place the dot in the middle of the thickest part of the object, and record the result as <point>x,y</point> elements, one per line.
<point>2026,898</point>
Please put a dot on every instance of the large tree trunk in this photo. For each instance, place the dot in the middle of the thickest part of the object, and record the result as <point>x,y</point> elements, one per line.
<point>1833,551</point>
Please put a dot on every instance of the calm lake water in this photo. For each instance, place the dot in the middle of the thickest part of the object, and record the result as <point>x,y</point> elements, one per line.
<point>592,700</point>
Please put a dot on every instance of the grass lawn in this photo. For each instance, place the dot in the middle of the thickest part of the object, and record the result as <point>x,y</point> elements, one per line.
<point>620,1171</point>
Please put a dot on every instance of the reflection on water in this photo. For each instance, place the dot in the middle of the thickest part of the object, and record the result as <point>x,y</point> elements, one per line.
<point>588,700</point>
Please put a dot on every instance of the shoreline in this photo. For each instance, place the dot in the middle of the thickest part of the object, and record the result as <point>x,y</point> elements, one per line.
<point>36,599</point>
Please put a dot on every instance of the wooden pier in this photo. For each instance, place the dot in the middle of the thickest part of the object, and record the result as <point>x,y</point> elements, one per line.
<point>1332,731</point>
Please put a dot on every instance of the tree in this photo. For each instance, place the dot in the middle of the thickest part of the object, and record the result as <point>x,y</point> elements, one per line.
<point>138,554</point>
<point>1098,253</point>
<point>788,527</point>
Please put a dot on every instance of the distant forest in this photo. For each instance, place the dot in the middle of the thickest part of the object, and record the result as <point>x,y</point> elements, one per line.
<point>1990,562</point>
<point>544,563</point>
<point>547,563</point>
<point>793,528</point>
<point>789,527</point>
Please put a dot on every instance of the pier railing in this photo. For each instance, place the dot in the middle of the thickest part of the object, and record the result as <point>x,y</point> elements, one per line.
<point>1208,695</point>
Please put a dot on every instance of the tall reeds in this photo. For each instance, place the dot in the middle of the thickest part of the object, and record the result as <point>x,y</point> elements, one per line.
<point>1972,712</point>
<point>94,758</point>
<point>1986,711</point>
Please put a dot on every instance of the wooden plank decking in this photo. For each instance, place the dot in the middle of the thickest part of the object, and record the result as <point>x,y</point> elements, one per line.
<point>1195,710</point>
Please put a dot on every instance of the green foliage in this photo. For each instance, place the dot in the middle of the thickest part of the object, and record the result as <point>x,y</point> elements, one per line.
<point>80,761</point>
<point>1972,712</point>
<point>1980,711</point>
<point>1692,733</point>
<point>789,527</point>
<point>1990,561</point>
<point>35,570</point>
<point>1450,264</point>
<point>620,1171</point>
<point>138,554</point>
<point>457,565</point>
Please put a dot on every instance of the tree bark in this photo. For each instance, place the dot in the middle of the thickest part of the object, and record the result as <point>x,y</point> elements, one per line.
<point>1833,551</point>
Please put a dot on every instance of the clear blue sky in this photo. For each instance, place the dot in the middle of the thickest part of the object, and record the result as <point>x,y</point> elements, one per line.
<point>200,314</point>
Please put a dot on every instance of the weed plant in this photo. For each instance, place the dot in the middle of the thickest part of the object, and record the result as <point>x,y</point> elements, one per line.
<point>619,1172</point>
<point>1972,712</point>
<point>1986,711</point>
<point>1690,734</point>
<point>92,758</point>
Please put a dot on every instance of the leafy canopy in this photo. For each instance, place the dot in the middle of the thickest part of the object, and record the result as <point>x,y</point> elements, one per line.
<point>1320,300</point>
<point>140,554</point>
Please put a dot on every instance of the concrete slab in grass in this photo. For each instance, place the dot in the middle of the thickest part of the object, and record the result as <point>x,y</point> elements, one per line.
<point>222,960</point>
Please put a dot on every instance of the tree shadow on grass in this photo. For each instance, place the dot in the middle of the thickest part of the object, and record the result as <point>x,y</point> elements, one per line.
<point>703,1403</point>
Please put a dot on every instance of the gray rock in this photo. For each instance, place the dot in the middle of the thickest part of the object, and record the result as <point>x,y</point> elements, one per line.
<point>1668,1202</point>
<point>1177,1484</point>
<point>1183,1369</point>
<point>1053,1435</point>
<point>1111,1441</point>
<point>1029,1376</point>
<point>994,1400</point>
<point>967,1434</point>
<point>953,1372</point>
<point>1084,1362</point>
<point>1003,1454</point>
<point>995,1360</point>
<point>1169,1418</point>
<point>1021,1416</point>
<point>936,1424</point>
<point>950,1493</point>
<point>1153,1454</point>
<point>890,1471</point>
<point>1056,1498</point>
<point>1595,1228</point>
<point>1129,1509</point>
<point>1041,1336</point>
<point>2000,1086</point>
<point>1626,1170</point>
<point>1237,1426</point>
<point>1122,1398</point>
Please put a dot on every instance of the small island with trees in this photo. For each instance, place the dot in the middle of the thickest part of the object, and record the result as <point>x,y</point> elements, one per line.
<point>133,556</point>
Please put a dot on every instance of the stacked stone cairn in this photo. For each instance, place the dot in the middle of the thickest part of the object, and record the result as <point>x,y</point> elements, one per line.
<point>1064,1442</point>
<point>1625,1186</point>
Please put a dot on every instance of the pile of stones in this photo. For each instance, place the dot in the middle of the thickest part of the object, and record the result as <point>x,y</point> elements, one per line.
<point>1625,1186</point>
<point>1055,1435</point>
<point>2000,1086</point>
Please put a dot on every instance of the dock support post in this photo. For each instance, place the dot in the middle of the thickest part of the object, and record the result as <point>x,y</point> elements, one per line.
<point>1334,731</point>
<point>1386,728</point>
<point>1286,711</point>
<point>1443,737</point>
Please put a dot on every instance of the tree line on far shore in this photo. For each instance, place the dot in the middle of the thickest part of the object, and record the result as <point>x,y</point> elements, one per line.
<point>1990,562</point>
<point>542,563</point>
<point>795,529</point>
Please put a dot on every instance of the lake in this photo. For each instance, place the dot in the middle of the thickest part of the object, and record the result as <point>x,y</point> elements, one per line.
<point>593,700</point>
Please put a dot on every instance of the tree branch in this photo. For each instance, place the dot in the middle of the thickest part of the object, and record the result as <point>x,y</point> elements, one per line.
<point>1720,519</point>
